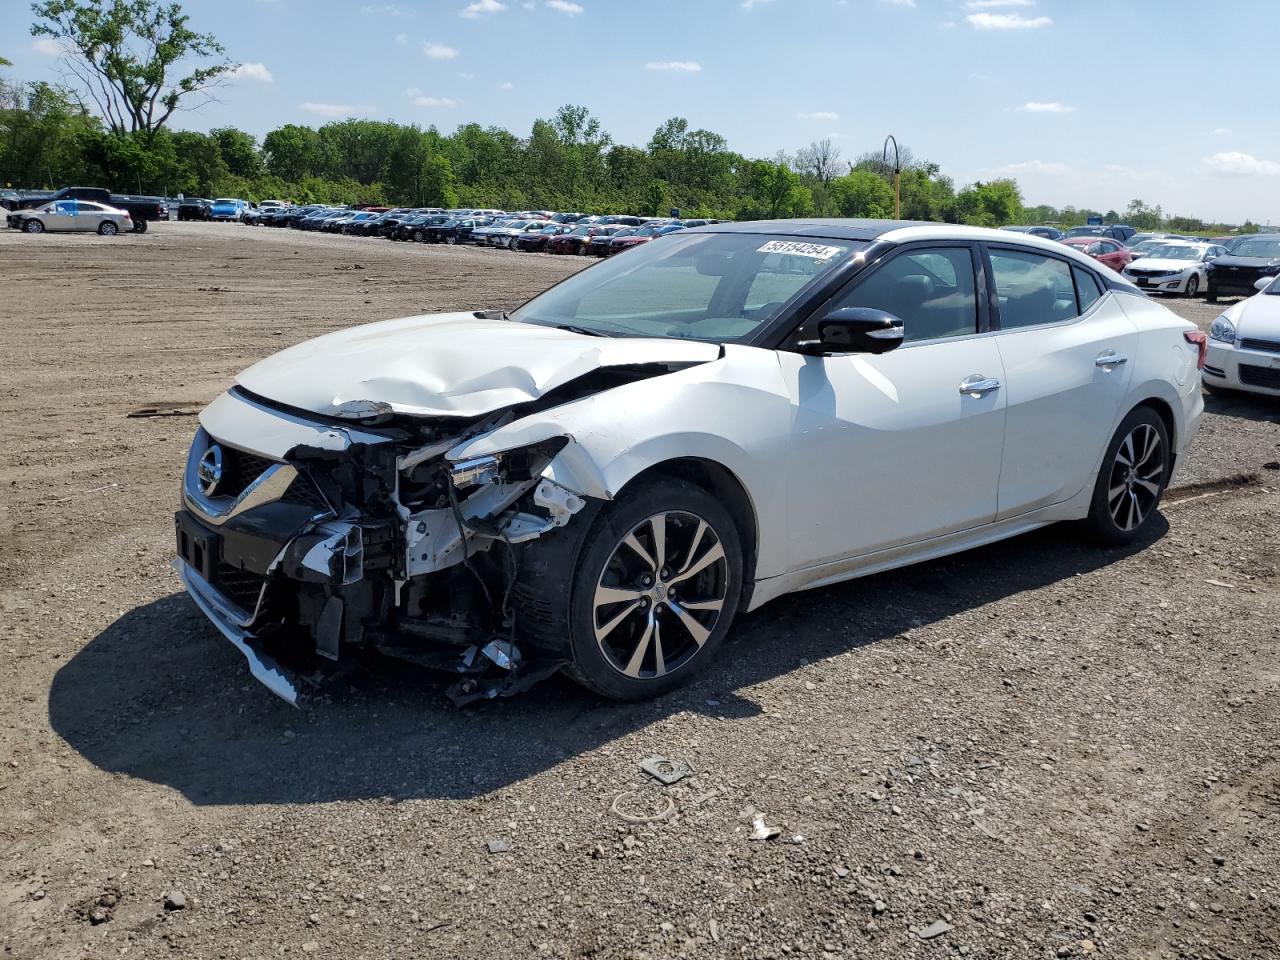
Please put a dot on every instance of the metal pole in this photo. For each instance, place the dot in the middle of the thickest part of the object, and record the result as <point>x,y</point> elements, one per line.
<point>897,175</point>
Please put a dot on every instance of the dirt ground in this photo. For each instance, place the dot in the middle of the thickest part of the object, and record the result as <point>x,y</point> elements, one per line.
<point>1037,749</point>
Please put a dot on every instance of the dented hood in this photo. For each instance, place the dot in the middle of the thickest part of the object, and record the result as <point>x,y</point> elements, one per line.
<point>446,365</point>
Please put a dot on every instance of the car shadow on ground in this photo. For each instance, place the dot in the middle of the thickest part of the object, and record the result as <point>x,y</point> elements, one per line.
<point>160,696</point>
<point>1245,406</point>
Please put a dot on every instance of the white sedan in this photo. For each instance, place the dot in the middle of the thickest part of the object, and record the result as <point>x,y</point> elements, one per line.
<point>1244,344</point>
<point>602,480</point>
<point>1176,266</point>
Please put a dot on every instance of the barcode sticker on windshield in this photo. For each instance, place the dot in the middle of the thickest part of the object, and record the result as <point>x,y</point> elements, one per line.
<point>816,251</point>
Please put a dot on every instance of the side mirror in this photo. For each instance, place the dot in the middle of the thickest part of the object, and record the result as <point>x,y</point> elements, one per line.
<point>854,330</point>
<point>1262,283</point>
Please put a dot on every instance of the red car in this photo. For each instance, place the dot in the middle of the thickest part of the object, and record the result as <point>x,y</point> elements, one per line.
<point>571,242</point>
<point>1111,252</point>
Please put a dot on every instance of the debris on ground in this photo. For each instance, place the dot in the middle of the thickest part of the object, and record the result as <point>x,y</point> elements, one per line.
<point>665,771</point>
<point>935,929</point>
<point>663,808</point>
<point>761,831</point>
<point>175,900</point>
<point>499,846</point>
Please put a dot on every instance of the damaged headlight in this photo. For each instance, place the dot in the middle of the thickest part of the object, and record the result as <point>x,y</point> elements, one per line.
<point>468,473</point>
<point>506,467</point>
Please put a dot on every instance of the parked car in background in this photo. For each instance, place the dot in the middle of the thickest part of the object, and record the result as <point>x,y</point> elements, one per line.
<point>1048,233</point>
<point>571,242</point>
<point>1244,344</point>
<point>535,241</point>
<point>227,209</point>
<point>453,230</point>
<point>1178,266</point>
<point>641,442</point>
<point>253,218</point>
<point>67,216</point>
<point>141,210</point>
<point>506,235</point>
<point>1117,231</point>
<point>354,224</point>
<point>1235,273</point>
<point>600,243</point>
<point>625,241</point>
<point>1103,249</point>
<point>195,208</point>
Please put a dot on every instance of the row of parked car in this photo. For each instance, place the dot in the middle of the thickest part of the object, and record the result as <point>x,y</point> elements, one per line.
<point>530,230</point>
<point>1177,264</point>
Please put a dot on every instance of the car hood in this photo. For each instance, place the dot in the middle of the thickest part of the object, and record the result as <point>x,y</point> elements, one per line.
<point>1254,262</point>
<point>446,365</point>
<point>1161,263</point>
<point>1258,317</point>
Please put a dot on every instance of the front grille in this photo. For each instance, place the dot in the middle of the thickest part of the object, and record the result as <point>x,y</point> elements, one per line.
<point>304,491</point>
<point>240,587</point>
<point>1266,346</point>
<point>1149,273</point>
<point>1267,377</point>
<point>239,469</point>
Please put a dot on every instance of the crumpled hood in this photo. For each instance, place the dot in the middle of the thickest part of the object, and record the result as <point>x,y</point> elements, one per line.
<point>447,365</point>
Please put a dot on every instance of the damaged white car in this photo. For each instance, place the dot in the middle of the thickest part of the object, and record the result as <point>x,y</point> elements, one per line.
<point>599,481</point>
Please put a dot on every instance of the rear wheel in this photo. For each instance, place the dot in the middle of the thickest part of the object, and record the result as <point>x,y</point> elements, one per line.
<point>34,226</point>
<point>108,229</point>
<point>656,584</point>
<point>139,226</point>
<point>1193,285</point>
<point>1132,479</point>
<point>451,239</point>
<point>1211,293</point>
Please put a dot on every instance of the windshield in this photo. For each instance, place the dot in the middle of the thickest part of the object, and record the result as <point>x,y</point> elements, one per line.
<point>714,287</point>
<point>1257,248</point>
<point>224,201</point>
<point>1170,251</point>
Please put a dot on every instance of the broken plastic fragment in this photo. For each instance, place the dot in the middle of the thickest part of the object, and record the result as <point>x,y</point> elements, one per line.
<point>761,831</point>
<point>663,770</point>
<point>503,653</point>
<point>361,409</point>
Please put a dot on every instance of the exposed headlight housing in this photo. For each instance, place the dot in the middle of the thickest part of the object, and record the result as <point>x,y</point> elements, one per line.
<point>1223,330</point>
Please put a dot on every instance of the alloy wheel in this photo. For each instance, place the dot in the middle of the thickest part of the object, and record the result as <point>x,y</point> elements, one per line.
<point>660,595</point>
<point>1193,285</point>
<point>1136,477</point>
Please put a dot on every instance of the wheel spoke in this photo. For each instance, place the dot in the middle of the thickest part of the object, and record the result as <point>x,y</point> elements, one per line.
<point>1136,514</point>
<point>696,630</point>
<point>607,595</point>
<point>632,668</point>
<point>659,664</point>
<point>1125,454</point>
<point>608,628</point>
<point>694,545</point>
<point>1147,485</point>
<point>1115,492</point>
<point>658,525</point>
<point>703,604</point>
<point>638,547</point>
<point>713,555</point>
<point>1151,448</point>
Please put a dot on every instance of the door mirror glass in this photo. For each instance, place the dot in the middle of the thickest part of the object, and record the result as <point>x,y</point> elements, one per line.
<point>855,330</point>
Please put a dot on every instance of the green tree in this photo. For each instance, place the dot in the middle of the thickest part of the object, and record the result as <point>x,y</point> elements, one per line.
<point>292,152</point>
<point>438,186</point>
<point>991,204</point>
<point>124,52</point>
<point>862,193</point>
<point>239,152</point>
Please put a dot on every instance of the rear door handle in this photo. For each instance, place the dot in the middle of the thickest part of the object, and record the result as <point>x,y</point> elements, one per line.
<point>1111,359</point>
<point>978,386</point>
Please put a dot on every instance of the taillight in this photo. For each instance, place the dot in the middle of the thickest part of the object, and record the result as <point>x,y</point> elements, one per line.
<point>1201,340</point>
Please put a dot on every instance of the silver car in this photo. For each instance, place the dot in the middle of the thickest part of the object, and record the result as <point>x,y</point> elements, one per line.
<point>72,215</point>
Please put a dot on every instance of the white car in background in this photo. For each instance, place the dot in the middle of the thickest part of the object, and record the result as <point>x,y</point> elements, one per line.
<point>601,480</point>
<point>1244,344</point>
<point>1176,266</point>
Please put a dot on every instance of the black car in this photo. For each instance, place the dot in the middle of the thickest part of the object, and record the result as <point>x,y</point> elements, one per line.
<point>410,228</point>
<point>1116,231</point>
<point>313,219</point>
<point>453,230</point>
<point>1235,274</point>
<point>536,241</point>
<point>387,224</point>
<point>598,246</point>
<point>1049,233</point>
<point>195,208</point>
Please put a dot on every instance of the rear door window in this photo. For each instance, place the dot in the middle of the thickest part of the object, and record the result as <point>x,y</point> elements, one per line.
<point>1031,288</point>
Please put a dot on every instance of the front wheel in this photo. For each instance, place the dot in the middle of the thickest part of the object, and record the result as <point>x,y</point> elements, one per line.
<point>108,229</point>
<point>1210,294</point>
<point>1193,285</point>
<point>656,584</point>
<point>139,226</point>
<point>1134,474</point>
<point>34,226</point>
<point>451,240</point>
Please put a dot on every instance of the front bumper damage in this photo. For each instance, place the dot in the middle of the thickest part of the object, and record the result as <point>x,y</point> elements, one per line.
<point>310,544</point>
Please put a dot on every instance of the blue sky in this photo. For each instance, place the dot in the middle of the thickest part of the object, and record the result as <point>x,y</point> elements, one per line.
<point>1091,102</point>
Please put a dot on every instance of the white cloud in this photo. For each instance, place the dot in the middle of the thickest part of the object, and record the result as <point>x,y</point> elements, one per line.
<point>386,9</point>
<point>992,4</point>
<point>1040,106</point>
<point>565,6</point>
<point>252,71</point>
<point>507,86</point>
<point>47,46</point>
<point>748,4</point>
<point>478,8</point>
<point>337,110</point>
<point>1242,164</point>
<point>675,66</point>
<point>1038,167</point>
<point>402,39</point>
<point>438,51</point>
<point>819,115</point>
<point>466,76</point>
<point>902,3</point>
<point>434,102</point>
<point>1221,131</point>
<point>1006,21</point>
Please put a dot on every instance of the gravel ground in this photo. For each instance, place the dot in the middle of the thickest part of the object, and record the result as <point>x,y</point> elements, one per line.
<point>1032,750</point>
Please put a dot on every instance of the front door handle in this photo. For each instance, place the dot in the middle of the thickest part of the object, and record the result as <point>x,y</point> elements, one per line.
<point>978,385</point>
<point>1110,359</point>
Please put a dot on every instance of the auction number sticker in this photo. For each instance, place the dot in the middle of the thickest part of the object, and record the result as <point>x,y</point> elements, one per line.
<point>794,248</point>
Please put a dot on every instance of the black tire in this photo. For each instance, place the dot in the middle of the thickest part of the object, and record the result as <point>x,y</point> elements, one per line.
<point>564,622</point>
<point>1211,294</point>
<point>451,239</point>
<point>1112,515</point>
<point>107,228</point>
<point>33,226</point>
<point>139,226</point>
<point>1193,285</point>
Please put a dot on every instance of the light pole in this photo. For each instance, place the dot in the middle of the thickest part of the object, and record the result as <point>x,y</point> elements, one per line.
<point>897,175</point>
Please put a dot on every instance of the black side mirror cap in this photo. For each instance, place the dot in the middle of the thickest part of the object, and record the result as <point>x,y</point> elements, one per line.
<point>855,330</point>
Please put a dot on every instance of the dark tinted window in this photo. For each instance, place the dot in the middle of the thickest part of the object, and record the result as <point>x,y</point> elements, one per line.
<point>931,289</point>
<point>1031,288</point>
<point>1088,292</point>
